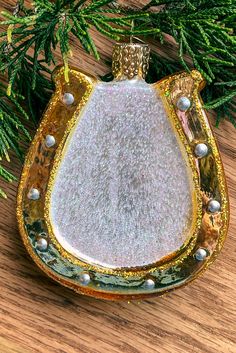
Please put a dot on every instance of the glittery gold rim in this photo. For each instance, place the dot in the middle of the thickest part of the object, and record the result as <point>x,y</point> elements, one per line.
<point>203,133</point>
<point>164,87</point>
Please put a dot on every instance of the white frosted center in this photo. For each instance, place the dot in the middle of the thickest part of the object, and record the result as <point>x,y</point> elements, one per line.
<point>122,196</point>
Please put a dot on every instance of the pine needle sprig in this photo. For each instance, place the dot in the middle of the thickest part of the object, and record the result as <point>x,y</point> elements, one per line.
<point>205,32</point>
<point>12,131</point>
<point>50,24</point>
<point>15,109</point>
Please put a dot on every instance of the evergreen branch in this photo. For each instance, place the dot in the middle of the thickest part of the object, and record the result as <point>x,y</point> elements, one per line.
<point>51,25</point>
<point>220,101</point>
<point>204,31</point>
<point>12,131</point>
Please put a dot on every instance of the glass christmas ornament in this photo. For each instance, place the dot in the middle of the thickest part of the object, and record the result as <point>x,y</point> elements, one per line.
<point>123,194</point>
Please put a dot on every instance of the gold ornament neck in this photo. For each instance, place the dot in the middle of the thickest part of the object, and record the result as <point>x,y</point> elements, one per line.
<point>130,61</point>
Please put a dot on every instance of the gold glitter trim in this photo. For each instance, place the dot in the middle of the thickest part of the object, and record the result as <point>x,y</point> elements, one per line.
<point>204,131</point>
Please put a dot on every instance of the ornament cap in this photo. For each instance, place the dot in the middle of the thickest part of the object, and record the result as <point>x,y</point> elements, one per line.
<point>130,61</point>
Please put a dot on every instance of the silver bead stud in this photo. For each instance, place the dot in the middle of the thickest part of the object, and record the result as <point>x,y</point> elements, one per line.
<point>201,150</point>
<point>42,244</point>
<point>149,283</point>
<point>84,279</point>
<point>33,194</point>
<point>200,254</point>
<point>183,104</point>
<point>213,206</point>
<point>68,98</point>
<point>50,141</point>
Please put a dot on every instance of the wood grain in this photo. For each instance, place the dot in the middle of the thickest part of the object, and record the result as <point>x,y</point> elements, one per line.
<point>37,315</point>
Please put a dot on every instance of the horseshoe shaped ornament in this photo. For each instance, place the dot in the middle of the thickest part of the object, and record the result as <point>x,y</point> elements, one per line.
<point>123,194</point>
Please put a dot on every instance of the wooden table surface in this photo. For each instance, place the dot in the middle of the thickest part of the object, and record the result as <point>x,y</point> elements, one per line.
<point>38,315</point>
